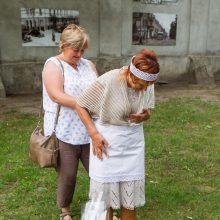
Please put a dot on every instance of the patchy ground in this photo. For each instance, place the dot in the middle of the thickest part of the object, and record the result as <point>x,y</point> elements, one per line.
<point>31,103</point>
<point>166,91</point>
<point>21,103</point>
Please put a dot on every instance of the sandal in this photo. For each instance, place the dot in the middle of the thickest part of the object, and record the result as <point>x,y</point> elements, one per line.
<point>64,214</point>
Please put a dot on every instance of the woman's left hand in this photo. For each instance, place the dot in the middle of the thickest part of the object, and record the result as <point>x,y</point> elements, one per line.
<point>138,118</point>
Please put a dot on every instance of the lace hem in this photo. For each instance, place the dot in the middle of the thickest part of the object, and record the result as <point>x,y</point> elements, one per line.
<point>113,179</point>
<point>129,194</point>
<point>127,207</point>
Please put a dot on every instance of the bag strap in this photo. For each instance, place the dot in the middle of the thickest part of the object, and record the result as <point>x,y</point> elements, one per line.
<point>58,107</point>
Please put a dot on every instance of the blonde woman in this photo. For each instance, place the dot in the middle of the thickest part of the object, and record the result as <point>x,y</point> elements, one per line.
<point>65,77</point>
<point>121,100</point>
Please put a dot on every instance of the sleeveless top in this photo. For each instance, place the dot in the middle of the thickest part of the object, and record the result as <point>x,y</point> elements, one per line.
<point>69,128</point>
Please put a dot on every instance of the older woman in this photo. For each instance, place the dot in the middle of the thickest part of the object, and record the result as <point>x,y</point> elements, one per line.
<point>120,100</point>
<point>65,76</point>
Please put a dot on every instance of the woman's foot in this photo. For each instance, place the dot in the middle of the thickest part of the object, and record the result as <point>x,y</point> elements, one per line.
<point>66,216</point>
<point>66,213</point>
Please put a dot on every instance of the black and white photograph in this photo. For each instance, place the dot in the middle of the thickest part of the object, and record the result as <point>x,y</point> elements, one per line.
<point>158,2</point>
<point>42,27</point>
<point>154,29</point>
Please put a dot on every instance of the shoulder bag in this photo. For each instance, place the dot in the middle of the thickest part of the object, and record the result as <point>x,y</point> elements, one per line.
<point>43,150</point>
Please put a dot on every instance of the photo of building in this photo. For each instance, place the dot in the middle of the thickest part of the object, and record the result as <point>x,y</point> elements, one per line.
<point>154,29</point>
<point>42,27</point>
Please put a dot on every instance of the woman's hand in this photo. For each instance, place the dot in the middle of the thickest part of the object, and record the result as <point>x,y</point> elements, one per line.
<point>99,144</point>
<point>98,141</point>
<point>138,118</point>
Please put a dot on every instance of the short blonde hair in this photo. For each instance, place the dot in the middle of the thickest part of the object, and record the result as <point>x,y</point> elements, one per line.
<point>73,36</point>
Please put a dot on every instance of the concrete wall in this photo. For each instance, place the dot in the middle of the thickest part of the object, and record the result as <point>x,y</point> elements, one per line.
<point>21,66</point>
<point>109,24</point>
<point>198,33</point>
<point>172,58</point>
<point>213,36</point>
<point>11,43</point>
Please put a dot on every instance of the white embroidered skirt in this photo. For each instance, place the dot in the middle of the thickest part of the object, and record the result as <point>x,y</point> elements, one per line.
<point>120,177</point>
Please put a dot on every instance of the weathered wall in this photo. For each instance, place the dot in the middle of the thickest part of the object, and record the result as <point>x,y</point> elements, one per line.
<point>110,28</point>
<point>213,36</point>
<point>172,58</point>
<point>21,66</point>
<point>197,34</point>
<point>204,42</point>
<point>109,24</point>
<point>11,42</point>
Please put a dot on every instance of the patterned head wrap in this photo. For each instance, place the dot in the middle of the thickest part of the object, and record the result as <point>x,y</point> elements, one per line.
<point>142,75</point>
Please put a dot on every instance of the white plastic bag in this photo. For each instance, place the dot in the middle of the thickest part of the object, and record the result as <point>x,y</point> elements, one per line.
<point>95,210</point>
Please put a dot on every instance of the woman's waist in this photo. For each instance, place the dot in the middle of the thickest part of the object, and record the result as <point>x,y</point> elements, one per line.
<point>118,125</point>
<point>120,133</point>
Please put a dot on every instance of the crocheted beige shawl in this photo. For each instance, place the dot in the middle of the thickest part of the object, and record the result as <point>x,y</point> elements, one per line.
<point>107,97</point>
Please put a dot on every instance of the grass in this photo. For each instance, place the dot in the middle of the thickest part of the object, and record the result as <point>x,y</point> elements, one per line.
<point>182,166</point>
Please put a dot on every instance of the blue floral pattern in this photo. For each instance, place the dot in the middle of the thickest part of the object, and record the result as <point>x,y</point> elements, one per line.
<point>69,128</point>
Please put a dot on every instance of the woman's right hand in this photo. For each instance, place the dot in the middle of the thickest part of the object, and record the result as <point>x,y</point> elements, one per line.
<point>98,141</point>
<point>99,144</point>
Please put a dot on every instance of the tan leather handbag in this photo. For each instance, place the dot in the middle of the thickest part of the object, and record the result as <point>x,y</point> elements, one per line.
<point>44,149</point>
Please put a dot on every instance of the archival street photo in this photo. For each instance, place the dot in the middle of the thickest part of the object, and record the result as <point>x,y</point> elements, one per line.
<point>42,27</point>
<point>154,29</point>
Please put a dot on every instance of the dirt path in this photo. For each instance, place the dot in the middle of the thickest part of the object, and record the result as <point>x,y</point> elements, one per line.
<point>21,103</point>
<point>31,103</point>
<point>167,91</point>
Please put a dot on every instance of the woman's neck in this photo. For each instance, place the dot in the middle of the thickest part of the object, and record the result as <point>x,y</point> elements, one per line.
<point>123,75</point>
<point>129,80</point>
<point>63,58</point>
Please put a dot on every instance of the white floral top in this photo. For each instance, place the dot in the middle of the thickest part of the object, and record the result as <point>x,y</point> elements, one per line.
<point>69,128</point>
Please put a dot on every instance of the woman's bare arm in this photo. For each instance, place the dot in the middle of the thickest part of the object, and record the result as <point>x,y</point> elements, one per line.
<point>98,141</point>
<point>53,81</point>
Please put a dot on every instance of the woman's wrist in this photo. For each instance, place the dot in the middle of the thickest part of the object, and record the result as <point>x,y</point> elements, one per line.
<point>93,134</point>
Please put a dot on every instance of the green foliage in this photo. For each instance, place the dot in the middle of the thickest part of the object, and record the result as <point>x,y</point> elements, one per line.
<point>182,166</point>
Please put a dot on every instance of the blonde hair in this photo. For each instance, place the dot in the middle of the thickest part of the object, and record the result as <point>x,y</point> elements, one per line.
<point>74,36</point>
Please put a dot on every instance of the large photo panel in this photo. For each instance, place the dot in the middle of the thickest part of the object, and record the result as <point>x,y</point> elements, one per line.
<point>154,29</point>
<point>42,27</point>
